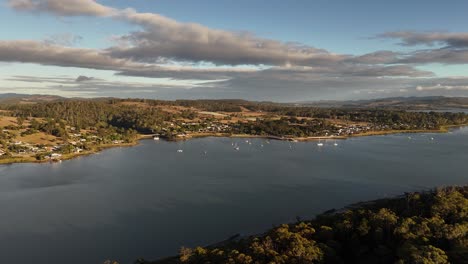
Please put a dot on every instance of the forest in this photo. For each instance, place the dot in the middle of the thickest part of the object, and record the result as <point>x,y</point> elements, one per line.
<point>146,116</point>
<point>420,227</point>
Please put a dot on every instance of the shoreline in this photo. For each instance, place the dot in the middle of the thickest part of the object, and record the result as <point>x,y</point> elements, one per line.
<point>374,205</point>
<point>442,129</point>
<point>70,156</point>
<point>99,148</point>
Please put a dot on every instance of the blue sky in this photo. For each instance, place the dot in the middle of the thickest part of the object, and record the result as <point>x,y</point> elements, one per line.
<point>242,49</point>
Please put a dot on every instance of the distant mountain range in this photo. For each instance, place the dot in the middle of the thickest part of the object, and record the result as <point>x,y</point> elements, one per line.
<point>414,103</point>
<point>409,103</point>
<point>12,98</point>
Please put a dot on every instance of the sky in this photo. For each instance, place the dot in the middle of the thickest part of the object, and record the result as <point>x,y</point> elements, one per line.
<point>263,50</point>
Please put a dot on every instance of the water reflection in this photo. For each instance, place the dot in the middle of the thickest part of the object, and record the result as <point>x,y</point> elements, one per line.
<point>148,200</point>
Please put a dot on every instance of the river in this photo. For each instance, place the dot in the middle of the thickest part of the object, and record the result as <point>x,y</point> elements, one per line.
<point>148,200</point>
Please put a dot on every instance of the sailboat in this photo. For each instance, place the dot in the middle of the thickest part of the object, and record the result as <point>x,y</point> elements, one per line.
<point>320,144</point>
<point>335,144</point>
<point>236,147</point>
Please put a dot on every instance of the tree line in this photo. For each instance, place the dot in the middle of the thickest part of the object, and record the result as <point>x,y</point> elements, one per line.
<point>421,228</point>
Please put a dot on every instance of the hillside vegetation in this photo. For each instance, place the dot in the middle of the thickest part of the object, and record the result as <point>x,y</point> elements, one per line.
<point>41,128</point>
<point>428,227</point>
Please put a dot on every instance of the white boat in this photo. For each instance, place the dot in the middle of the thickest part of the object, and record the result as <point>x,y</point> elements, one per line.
<point>236,148</point>
<point>180,150</point>
<point>155,138</point>
<point>320,144</point>
<point>335,144</point>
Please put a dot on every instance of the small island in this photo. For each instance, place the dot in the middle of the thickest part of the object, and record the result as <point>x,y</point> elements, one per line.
<point>47,129</point>
<point>420,227</point>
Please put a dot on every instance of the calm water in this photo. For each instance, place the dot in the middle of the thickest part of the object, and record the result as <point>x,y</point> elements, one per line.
<point>148,200</point>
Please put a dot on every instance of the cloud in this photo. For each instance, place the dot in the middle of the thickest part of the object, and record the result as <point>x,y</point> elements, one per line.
<point>42,53</point>
<point>28,51</point>
<point>160,39</point>
<point>442,87</point>
<point>82,78</point>
<point>241,64</point>
<point>411,38</point>
<point>82,81</point>
<point>452,47</point>
<point>271,85</point>
<point>95,87</point>
<point>383,71</point>
<point>62,7</point>
<point>378,57</point>
<point>47,54</point>
<point>163,37</point>
<point>65,39</point>
<point>444,55</point>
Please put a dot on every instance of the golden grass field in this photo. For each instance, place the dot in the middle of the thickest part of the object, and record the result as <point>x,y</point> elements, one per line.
<point>7,121</point>
<point>40,138</point>
<point>36,138</point>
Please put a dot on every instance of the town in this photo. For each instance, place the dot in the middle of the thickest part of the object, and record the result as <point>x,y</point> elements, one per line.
<point>35,133</point>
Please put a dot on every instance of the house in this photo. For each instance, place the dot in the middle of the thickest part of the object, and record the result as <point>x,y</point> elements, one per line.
<point>78,150</point>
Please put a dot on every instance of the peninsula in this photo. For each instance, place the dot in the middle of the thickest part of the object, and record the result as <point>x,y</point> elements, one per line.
<point>48,128</point>
<point>419,227</point>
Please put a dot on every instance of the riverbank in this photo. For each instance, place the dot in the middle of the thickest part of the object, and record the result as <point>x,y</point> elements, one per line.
<point>443,129</point>
<point>95,150</point>
<point>99,148</point>
<point>379,231</point>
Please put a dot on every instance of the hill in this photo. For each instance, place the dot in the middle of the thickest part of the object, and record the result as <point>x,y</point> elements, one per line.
<point>12,98</point>
<point>400,103</point>
<point>410,103</point>
<point>426,227</point>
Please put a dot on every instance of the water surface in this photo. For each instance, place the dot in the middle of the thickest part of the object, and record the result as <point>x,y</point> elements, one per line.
<point>147,201</point>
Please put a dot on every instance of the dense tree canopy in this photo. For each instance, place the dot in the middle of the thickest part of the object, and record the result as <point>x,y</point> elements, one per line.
<point>421,228</point>
<point>144,115</point>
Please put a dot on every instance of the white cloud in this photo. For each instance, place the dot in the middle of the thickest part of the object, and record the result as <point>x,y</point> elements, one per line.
<point>442,87</point>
